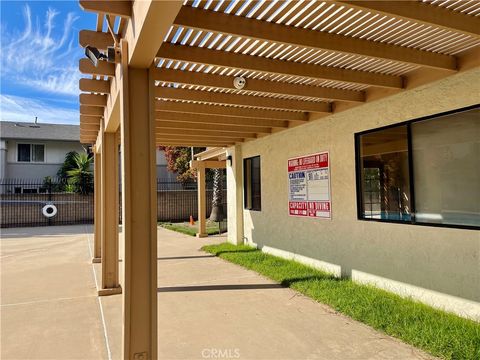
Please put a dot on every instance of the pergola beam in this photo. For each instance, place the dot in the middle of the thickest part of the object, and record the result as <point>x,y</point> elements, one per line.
<point>103,68</point>
<point>187,132</point>
<point>117,7</point>
<point>91,110</point>
<point>96,86</point>
<point>193,142</point>
<point>98,39</point>
<point>208,164</point>
<point>199,55</point>
<point>184,107</point>
<point>242,100</point>
<point>195,126</point>
<point>93,100</point>
<point>422,13</point>
<point>263,86</point>
<point>217,119</point>
<point>212,138</point>
<point>92,127</point>
<point>269,31</point>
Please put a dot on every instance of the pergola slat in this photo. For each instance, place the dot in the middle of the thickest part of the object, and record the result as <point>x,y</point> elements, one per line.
<point>197,126</point>
<point>103,68</point>
<point>199,55</point>
<point>96,86</point>
<point>262,30</point>
<point>422,13</point>
<point>263,86</point>
<point>243,100</point>
<point>118,7</point>
<point>217,119</point>
<point>230,111</point>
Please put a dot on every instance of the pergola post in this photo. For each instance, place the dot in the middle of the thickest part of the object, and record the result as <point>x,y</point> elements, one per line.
<point>109,215</point>
<point>97,188</point>
<point>137,123</point>
<point>202,201</point>
<point>235,195</point>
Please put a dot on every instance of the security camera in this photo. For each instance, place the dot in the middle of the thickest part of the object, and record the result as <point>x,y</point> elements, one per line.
<point>94,55</point>
<point>239,82</point>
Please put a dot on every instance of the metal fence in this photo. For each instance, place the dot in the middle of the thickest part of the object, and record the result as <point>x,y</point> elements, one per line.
<point>29,203</point>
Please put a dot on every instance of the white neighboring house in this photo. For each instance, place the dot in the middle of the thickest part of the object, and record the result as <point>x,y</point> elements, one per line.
<point>36,150</point>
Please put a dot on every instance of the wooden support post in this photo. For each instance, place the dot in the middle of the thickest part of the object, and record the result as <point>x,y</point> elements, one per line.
<point>110,283</point>
<point>202,202</point>
<point>97,188</point>
<point>235,195</point>
<point>137,114</point>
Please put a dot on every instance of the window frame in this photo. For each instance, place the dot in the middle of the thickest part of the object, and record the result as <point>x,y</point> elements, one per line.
<point>245,184</point>
<point>358,171</point>
<point>31,153</point>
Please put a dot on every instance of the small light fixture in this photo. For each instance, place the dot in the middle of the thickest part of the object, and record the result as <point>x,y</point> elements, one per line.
<point>229,160</point>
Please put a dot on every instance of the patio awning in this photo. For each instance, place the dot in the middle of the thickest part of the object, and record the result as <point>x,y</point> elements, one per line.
<point>300,60</point>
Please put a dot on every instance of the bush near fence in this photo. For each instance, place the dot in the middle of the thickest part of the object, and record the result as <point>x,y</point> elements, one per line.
<point>175,202</point>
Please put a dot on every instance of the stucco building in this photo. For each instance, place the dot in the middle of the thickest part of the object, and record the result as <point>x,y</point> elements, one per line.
<point>349,131</point>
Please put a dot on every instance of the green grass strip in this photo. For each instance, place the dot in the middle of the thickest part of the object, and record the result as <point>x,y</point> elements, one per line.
<point>437,332</point>
<point>187,229</point>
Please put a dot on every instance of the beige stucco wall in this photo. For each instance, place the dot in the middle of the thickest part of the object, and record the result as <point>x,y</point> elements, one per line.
<point>444,260</point>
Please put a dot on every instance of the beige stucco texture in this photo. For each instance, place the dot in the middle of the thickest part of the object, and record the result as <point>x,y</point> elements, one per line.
<point>445,260</point>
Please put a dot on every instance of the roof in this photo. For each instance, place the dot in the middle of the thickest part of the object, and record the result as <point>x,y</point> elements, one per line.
<point>28,130</point>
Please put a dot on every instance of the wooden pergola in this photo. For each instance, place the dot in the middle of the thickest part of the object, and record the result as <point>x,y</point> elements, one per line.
<point>173,84</point>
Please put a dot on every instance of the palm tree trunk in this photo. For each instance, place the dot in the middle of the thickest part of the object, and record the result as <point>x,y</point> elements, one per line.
<point>217,213</point>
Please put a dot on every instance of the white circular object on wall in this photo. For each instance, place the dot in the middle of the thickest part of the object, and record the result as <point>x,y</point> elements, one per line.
<point>239,82</point>
<point>49,210</point>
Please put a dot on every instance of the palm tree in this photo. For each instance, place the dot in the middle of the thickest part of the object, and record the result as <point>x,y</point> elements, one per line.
<point>68,164</point>
<point>217,213</point>
<point>81,176</point>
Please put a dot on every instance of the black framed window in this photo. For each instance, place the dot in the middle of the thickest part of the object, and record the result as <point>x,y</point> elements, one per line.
<point>425,171</point>
<point>23,152</point>
<point>252,184</point>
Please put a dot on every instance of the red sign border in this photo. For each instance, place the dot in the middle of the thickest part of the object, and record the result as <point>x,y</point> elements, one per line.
<point>329,187</point>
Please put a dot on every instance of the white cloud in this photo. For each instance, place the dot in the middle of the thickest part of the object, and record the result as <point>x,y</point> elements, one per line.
<point>16,108</point>
<point>41,56</point>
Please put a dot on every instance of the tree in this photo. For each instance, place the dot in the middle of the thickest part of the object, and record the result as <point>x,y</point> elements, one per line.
<point>178,159</point>
<point>217,213</point>
<point>81,176</point>
<point>68,164</point>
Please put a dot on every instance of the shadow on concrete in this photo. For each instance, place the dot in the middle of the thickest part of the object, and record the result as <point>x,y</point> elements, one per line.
<point>185,257</point>
<point>219,287</point>
<point>319,278</point>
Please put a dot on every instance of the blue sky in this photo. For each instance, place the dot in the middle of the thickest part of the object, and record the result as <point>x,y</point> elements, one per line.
<point>39,60</point>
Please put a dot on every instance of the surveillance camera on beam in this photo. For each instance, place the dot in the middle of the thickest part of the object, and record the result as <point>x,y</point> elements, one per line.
<point>94,55</point>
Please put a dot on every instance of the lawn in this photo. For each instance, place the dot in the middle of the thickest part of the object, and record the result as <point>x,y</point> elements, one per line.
<point>439,333</point>
<point>186,228</point>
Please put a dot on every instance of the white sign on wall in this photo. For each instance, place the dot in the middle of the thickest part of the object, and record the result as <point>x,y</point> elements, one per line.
<point>309,186</point>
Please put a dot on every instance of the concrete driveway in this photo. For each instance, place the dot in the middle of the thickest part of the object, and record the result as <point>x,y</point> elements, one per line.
<point>207,308</point>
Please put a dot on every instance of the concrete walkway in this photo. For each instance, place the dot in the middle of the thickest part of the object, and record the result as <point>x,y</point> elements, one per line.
<point>207,308</point>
